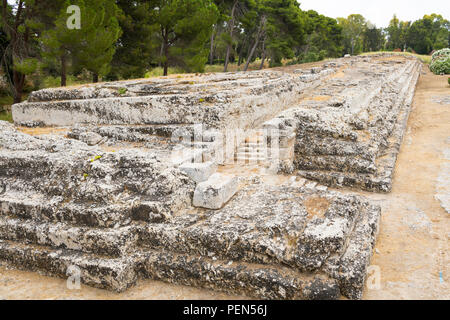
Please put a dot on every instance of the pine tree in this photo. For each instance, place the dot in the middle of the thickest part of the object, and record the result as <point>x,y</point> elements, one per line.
<point>21,23</point>
<point>185,29</point>
<point>98,35</point>
<point>137,49</point>
<point>353,29</point>
<point>60,41</point>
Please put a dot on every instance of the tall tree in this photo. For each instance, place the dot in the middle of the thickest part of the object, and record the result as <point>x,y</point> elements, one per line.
<point>353,29</point>
<point>285,29</point>
<point>324,36</point>
<point>99,33</point>
<point>59,41</point>
<point>427,34</point>
<point>185,27</point>
<point>394,32</point>
<point>231,26</point>
<point>373,38</point>
<point>136,49</point>
<point>20,24</point>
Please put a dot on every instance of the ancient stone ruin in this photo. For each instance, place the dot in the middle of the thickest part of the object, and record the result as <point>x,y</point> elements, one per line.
<point>207,180</point>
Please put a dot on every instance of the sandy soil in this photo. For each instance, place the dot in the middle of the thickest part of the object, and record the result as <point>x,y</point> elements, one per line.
<point>411,257</point>
<point>413,245</point>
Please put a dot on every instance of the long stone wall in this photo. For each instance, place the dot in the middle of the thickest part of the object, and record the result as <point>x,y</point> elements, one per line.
<point>236,100</point>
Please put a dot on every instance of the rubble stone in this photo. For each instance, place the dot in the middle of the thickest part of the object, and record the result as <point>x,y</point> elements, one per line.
<point>216,191</point>
<point>199,172</point>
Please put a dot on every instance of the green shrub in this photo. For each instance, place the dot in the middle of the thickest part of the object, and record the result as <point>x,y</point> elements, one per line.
<point>441,65</point>
<point>448,80</point>
<point>441,54</point>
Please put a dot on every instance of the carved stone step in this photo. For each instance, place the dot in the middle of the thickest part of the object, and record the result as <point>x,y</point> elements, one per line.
<point>111,242</point>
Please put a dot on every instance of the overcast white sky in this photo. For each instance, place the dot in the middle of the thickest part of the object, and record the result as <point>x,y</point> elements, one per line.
<point>379,12</point>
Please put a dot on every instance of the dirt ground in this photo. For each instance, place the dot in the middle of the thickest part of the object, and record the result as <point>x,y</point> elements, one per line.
<point>412,248</point>
<point>411,256</point>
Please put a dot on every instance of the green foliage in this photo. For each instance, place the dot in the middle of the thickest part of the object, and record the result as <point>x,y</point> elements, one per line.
<point>441,65</point>
<point>323,34</point>
<point>138,48</point>
<point>373,38</point>
<point>429,33</point>
<point>353,28</point>
<point>441,54</point>
<point>99,32</point>
<point>285,29</point>
<point>448,80</point>
<point>397,34</point>
<point>132,39</point>
<point>185,28</point>
<point>6,116</point>
<point>158,72</point>
<point>96,158</point>
<point>26,66</point>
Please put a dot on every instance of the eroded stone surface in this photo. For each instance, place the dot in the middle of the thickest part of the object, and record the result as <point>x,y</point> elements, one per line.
<point>216,191</point>
<point>115,192</point>
<point>199,172</point>
<point>353,139</point>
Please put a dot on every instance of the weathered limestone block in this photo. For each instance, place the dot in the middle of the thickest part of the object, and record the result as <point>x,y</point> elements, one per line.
<point>199,172</point>
<point>302,228</point>
<point>355,142</point>
<point>76,174</point>
<point>218,101</point>
<point>216,191</point>
<point>90,138</point>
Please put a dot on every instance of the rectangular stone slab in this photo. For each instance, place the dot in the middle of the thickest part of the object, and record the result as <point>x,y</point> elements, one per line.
<point>215,192</point>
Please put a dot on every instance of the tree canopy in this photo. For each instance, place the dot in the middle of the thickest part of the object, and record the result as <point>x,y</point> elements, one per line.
<point>123,39</point>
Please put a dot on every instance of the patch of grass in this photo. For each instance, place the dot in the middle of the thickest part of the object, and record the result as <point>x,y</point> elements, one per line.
<point>55,82</point>
<point>122,91</point>
<point>424,58</point>
<point>233,67</point>
<point>159,72</point>
<point>6,116</point>
<point>6,100</point>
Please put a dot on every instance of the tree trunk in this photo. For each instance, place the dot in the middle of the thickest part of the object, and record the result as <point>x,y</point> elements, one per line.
<point>241,52</point>
<point>166,52</point>
<point>161,53</point>
<point>63,70</point>
<point>211,50</point>
<point>227,56</point>
<point>255,45</point>
<point>95,77</point>
<point>263,57</point>
<point>261,66</point>
<point>250,56</point>
<point>166,60</point>
<point>240,58</point>
<point>19,82</point>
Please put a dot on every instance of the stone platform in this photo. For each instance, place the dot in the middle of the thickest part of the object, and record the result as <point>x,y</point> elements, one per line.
<point>101,178</point>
